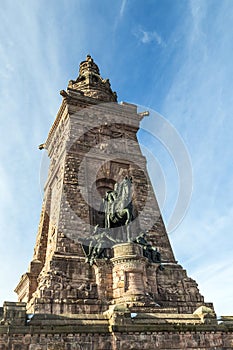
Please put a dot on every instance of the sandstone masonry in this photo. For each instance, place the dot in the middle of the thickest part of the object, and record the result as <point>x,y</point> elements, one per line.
<point>122,301</point>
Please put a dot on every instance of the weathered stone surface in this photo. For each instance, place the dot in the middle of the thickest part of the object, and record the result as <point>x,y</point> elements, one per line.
<point>121,301</point>
<point>44,332</point>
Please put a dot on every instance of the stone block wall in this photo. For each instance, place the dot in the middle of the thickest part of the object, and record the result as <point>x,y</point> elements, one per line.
<point>87,340</point>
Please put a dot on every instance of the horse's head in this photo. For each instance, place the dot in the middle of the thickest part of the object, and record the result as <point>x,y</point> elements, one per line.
<point>127,182</point>
<point>126,190</point>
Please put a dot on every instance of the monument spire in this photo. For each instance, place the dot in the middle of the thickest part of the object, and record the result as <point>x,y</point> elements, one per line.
<point>90,82</point>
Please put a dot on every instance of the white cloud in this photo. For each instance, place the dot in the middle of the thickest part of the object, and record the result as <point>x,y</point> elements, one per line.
<point>120,14</point>
<point>147,37</point>
<point>122,9</point>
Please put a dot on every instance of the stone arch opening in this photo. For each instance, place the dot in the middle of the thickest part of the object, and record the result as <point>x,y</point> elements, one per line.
<point>99,189</point>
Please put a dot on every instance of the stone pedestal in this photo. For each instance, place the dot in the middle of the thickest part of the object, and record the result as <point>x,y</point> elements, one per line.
<point>129,272</point>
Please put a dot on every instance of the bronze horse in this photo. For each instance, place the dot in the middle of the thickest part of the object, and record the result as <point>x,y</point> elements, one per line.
<point>118,205</point>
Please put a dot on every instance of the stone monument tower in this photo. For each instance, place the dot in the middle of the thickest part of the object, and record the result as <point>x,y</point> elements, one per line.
<point>93,148</point>
<point>103,273</point>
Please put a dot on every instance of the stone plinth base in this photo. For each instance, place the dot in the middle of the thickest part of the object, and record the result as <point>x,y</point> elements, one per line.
<point>117,329</point>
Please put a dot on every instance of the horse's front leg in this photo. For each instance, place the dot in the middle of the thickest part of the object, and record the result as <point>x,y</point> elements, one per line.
<point>107,221</point>
<point>127,226</point>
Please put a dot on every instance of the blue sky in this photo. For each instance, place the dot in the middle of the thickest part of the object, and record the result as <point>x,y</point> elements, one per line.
<point>172,56</point>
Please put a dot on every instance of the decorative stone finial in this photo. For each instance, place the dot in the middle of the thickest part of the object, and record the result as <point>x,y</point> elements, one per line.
<point>88,66</point>
<point>91,83</point>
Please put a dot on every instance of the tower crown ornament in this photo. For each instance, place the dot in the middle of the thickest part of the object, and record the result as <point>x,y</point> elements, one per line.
<point>91,84</point>
<point>88,66</point>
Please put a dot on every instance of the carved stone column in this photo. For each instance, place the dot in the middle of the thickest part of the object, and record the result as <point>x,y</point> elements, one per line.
<point>129,273</point>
